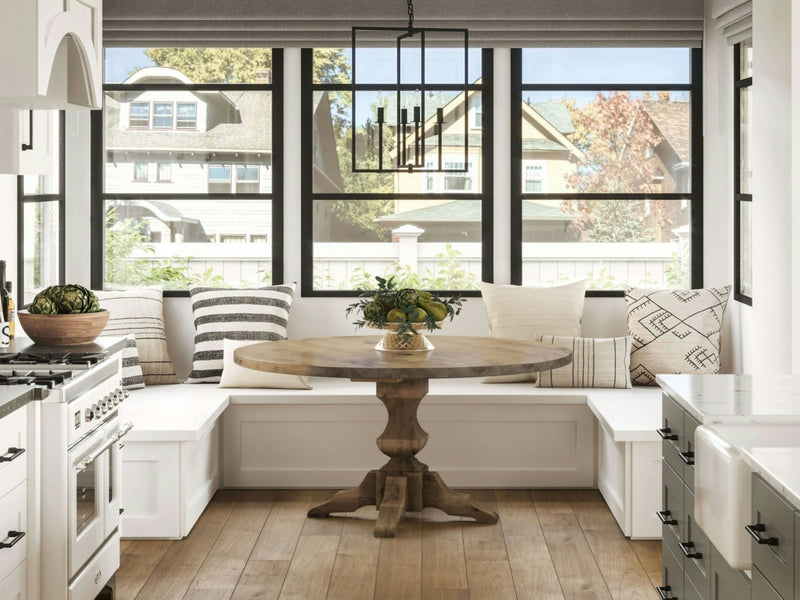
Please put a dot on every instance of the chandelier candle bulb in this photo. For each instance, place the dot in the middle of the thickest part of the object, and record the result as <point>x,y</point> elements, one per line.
<point>417,114</point>
<point>381,117</point>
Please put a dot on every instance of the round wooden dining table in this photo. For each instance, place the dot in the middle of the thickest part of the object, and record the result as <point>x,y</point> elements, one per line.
<point>403,483</point>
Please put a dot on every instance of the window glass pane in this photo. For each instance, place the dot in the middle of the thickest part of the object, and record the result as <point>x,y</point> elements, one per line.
<point>197,65</point>
<point>162,114</point>
<point>746,59</point>
<point>173,243</point>
<point>332,139</point>
<point>187,115</point>
<point>229,128</point>
<point>246,173</point>
<point>745,127</point>
<point>434,244</point>
<point>34,185</point>
<point>40,250</point>
<point>139,114</point>
<point>609,242</point>
<point>379,65</point>
<point>606,65</point>
<point>746,249</point>
<point>140,171</point>
<point>607,142</point>
<point>164,171</point>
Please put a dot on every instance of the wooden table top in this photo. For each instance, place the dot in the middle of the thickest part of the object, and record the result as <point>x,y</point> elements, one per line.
<point>355,357</point>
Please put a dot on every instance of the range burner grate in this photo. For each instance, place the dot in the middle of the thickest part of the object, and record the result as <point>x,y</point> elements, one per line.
<point>73,359</point>
<point>48,379</point>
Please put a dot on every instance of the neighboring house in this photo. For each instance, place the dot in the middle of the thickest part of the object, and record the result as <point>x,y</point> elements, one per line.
<point>204,142</point>
<point>460,221</point>
<point>672,156</point>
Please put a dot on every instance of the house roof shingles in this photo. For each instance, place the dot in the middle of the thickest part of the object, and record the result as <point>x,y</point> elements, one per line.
<point>673,122</point>
<point>253,134</point>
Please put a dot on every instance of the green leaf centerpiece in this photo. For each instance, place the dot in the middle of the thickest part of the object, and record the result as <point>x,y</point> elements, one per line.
<point>404,312</point>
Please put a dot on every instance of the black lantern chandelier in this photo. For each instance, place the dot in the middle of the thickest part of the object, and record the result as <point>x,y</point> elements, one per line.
<point>402,134</point>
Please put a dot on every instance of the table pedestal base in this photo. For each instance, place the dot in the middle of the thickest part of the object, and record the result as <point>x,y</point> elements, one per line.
<point>404,483</point>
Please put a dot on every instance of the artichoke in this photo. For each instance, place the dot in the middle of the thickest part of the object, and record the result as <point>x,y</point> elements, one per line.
<point>42,305</point>
<point>67,299</point>
<point>406,299</point>
<point>374,312</point>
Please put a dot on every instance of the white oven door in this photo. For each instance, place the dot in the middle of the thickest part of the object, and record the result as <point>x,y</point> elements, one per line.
<point>88,484</point>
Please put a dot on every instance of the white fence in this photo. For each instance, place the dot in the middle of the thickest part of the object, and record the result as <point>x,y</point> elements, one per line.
<point>339,265</point>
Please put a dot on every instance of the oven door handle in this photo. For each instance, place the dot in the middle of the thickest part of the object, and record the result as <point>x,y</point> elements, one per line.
<point>115,437</point>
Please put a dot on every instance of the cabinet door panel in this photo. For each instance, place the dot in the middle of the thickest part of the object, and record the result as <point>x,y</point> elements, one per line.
<point>697,545</point>
<point>726,583</point>
<point>672,427</point>
<point>776,518</point>
<point>672,497</point>
<point>687,449</point>
<point>762,590</point>
<point>671,574</point>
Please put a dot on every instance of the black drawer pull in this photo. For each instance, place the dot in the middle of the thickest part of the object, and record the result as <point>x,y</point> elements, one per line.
<point>666,434</point>
<point>663,590</point>
<point>11,454</point>
<point>17,535</point>
<point>687,547</point>
<point>755,530</point>
<point>665,516</point>
<point>687,457</point>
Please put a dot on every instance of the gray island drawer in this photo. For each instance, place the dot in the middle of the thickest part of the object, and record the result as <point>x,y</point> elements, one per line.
<point>726,583</point>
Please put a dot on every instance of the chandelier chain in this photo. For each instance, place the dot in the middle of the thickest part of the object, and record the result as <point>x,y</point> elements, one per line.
<point>410,15</point>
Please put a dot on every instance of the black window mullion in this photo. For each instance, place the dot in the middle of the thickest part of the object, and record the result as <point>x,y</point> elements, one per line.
<point>696,206</point>
<point>739,84</point>
<point>516,166</point>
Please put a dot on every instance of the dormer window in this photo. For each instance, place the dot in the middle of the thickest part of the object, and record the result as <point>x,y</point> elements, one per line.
<point>187,115</point>
<point>162,115</point>
<point>140,115</point>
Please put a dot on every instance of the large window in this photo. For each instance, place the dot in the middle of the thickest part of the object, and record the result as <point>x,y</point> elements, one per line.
<point>428,229</point>
<point>187,163</point>
<point>606,169</point>
<point>40,221</point>
<point>743,175</point>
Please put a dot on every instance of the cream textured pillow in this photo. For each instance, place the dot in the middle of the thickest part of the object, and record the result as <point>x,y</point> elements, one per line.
<point>524,312</point>
<point>141,312</point>
<point>596,363</point>
<point>674,331</point>
<point>235,376</point>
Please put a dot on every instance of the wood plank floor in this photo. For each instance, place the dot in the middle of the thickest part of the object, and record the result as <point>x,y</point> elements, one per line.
<point>259,545</point>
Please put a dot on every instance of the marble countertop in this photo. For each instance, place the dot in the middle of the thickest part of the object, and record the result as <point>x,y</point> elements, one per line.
<point>780,467</point>
<point>13,397</point>
<point>736,399</point>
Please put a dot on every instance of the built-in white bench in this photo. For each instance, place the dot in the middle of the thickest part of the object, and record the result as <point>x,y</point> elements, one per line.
<point>481,435</point>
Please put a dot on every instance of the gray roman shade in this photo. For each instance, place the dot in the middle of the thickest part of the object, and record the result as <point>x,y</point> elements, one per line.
<point>305,23</point>
<point>735,19</point>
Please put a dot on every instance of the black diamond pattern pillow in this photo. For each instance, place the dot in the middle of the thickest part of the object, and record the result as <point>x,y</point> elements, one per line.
<point>256,314</point>
<point>674,331</point>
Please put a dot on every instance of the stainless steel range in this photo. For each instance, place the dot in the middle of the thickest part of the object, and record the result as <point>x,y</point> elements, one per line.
<point>80,466</point>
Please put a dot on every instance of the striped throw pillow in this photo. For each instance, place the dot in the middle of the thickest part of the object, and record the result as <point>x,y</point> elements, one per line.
<point>596,363</point>
<point>132,376</point>
<point>256,314</point>
<point>141,312</point>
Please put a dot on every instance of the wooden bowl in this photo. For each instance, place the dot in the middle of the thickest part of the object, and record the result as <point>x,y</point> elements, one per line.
<point>63,330</point>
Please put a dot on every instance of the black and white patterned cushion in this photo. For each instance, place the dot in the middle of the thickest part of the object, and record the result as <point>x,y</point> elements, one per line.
<point>260,314</point>
<point>132,376</point>
<point>675,331</point>
<point>141,312</point>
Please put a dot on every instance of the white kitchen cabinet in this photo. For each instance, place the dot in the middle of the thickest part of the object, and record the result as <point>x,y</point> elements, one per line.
<point>30,144</point>
<point>51,53</point>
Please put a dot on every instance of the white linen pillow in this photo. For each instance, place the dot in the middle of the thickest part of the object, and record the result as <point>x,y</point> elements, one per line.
<point>596,363</point>
<point>236,376</point>
<point>525,312</point>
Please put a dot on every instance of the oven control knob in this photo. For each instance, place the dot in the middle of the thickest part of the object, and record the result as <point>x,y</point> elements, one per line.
<point>88,415</point>
<point>125,394</point>
<point>104,407</point>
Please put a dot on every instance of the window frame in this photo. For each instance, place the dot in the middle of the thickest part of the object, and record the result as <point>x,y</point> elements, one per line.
<point>695,88</point>
<point>739,83</point>
<point>99,196</point>
<point>154,116</point>
<point>193,127</point>
<point>130,116</point>
<point>60,197</point>
<point>308,196</point>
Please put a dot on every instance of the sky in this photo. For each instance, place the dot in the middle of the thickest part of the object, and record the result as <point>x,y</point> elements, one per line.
<point>444,65</point>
